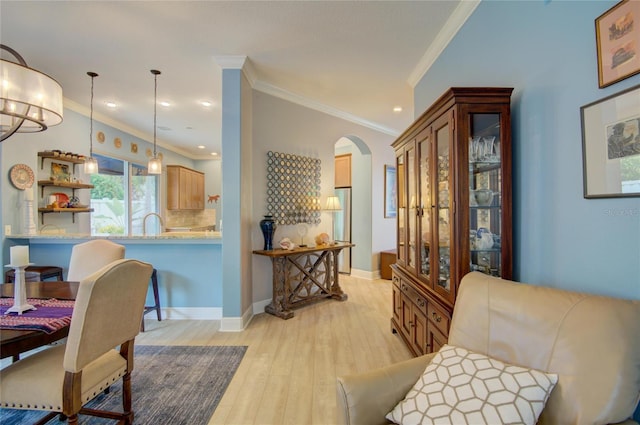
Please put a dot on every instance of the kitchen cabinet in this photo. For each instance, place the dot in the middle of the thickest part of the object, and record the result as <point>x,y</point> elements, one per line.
<point>64,181</point>
<point>185,188</point>
<point>454,208</point>
<point>342,165</point>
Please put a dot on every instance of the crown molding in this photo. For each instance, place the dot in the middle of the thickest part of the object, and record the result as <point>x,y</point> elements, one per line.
<point>457,19</point>
<point>107,120</point>
<point>317,106</point>
<point>231,61</point>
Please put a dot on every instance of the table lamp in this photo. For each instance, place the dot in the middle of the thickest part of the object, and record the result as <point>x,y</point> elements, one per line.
<point>333,205</point>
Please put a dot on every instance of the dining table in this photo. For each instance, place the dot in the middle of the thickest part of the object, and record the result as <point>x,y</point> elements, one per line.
<point>16,341</point>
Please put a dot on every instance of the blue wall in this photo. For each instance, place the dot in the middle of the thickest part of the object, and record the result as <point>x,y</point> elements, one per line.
<point>547,52</point>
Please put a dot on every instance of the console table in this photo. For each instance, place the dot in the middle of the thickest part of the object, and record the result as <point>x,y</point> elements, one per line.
<point>302,276</point>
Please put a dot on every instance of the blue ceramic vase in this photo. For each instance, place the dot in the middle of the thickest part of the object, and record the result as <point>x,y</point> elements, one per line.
<point>268,227</point>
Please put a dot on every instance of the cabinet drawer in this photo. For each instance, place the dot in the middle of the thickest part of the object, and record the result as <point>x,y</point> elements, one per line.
<point>418,300</point>
<point>395,279</point>
<point>439,318</point>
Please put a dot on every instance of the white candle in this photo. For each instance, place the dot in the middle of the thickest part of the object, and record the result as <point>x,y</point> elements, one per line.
<point>28,194</point>
<point>19,255</point>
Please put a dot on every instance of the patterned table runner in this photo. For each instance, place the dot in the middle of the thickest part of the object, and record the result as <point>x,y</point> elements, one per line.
<point>51,315</point>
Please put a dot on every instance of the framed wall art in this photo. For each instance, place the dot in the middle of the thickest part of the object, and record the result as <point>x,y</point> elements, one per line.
<point>390,205</point>
<point>618,42</point>
<point>293,188</point>
<point>611,145</point>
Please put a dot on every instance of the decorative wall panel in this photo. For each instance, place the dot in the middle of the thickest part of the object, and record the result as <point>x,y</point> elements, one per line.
<point>293,188</point>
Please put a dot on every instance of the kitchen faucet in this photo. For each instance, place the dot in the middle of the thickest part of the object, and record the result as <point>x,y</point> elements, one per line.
<point>144,222</point>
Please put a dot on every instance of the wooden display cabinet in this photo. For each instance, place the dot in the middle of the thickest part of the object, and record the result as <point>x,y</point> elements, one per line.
<point>454,208</point>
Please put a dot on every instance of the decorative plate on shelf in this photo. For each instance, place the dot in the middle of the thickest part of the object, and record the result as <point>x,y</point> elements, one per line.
<point>100,136</point>
<point>21,176</point>
<point>61,198</point>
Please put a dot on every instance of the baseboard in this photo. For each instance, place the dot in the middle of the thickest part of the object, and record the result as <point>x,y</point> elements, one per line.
<point>236,324</point>
<point>190,313</point>
<point>365,274</point>
<point>258,307</point>
<point>227,324</point>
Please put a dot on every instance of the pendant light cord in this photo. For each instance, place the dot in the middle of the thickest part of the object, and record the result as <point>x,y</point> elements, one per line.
<point>155,106</point>
<point>92,75</point>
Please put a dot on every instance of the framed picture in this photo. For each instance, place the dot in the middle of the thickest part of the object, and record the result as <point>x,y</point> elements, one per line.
<point>60,172</point>
<point>618,42</point>
<point>611,145</point>
<point>390,206</point>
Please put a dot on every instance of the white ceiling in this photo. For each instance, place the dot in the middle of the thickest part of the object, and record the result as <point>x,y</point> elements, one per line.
<point>353,59</point>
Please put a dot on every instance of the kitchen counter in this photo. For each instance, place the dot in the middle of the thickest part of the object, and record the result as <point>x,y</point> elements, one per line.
<point>189,266</point>
<point>166,238</point>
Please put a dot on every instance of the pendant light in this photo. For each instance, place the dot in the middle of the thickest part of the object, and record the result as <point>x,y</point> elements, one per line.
<point>91,164</point>
<point>155,163</point>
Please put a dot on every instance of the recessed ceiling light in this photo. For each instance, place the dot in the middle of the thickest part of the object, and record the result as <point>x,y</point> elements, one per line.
<point>397,109</point>
<point>201,147</point>
<point>111,104</point>
<point>165,103</point>
<point>214,153</point>
<point>206,103</point>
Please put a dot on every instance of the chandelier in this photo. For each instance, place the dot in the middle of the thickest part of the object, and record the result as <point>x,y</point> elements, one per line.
<point>30,101</point>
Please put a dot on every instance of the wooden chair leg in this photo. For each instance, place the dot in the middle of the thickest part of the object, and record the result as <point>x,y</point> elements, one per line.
<point>46,419</point>
<point>126,399</point>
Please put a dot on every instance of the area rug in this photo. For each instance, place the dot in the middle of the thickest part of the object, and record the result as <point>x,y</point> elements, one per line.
<point>170,385</point>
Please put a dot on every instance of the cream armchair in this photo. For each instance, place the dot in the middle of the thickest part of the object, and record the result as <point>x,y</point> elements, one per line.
<point>62,379</point>
<point>591,342</point>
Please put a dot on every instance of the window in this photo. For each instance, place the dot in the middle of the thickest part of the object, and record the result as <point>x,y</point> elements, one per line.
<point>123,194</point>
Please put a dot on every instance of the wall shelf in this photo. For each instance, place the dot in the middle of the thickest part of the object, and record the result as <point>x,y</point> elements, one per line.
<point>61,184</point>
<point>73,212</point>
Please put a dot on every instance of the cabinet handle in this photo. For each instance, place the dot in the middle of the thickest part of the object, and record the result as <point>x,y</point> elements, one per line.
<point>436,317</point>
<point>412,325</point>
<point>420,302</point>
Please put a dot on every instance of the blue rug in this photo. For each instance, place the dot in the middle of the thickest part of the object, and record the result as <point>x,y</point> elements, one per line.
<point>170,385</point>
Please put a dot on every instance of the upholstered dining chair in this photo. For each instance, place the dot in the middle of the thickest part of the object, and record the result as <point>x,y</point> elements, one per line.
<point>62,379</point>
<point>87,257</point>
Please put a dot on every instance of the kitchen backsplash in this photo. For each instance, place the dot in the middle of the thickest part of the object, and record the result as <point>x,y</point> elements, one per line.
<point>196,218</point>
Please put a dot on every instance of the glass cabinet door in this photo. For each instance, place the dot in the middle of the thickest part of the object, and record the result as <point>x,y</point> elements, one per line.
<point>443,207</point>
<point>425,210</point>
<point>485,193</point>
<point>412,211</point>
<point>402,211</point>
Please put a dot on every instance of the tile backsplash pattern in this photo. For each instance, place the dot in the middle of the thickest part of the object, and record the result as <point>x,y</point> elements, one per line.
<point>187,218</point>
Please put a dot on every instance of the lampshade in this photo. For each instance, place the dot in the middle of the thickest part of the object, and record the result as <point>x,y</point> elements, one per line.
<point>155,164</point>
<point>30,101</point>
<point>91,164</point>
<point>333,204</point>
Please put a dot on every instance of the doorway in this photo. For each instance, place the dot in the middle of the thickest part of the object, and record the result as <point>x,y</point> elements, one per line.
<point>354,222</point>
<point>342,228</point>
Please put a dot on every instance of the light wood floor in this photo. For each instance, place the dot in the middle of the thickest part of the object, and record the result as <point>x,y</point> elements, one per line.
<point>288,373</point>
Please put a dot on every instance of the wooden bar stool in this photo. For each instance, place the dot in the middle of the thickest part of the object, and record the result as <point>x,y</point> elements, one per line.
<point>36,274</point>
<point>156,298</point>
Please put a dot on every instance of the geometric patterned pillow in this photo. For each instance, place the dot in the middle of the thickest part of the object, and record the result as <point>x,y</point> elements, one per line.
<point>461,387</point>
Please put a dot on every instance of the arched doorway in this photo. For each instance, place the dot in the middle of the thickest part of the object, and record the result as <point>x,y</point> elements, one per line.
<point>357,220</point>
